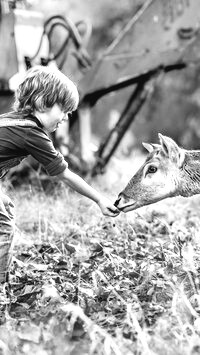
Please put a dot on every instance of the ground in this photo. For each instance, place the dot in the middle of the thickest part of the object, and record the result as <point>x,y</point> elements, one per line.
<point>81,283</point>
<point>85,284</point>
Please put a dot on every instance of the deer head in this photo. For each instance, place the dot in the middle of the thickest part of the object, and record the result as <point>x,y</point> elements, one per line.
<point>159,177</point>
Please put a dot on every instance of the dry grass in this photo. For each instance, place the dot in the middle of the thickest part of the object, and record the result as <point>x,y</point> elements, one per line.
<point>85,284</point>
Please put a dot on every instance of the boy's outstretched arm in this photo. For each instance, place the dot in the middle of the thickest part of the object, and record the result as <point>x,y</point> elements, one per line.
<point>78,184</point>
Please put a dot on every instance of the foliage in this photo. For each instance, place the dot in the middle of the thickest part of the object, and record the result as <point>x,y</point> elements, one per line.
<point>84,284</point>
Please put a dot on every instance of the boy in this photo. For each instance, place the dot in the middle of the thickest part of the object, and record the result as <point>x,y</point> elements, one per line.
<point>42,102</point>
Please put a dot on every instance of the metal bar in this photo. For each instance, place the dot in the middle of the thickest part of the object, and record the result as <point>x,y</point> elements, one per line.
<point>108,147</point>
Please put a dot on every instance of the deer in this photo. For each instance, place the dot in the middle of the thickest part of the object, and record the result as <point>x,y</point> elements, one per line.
<point>168,171</point>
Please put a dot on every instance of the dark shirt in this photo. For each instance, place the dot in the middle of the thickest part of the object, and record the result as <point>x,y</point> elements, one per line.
<point>18,142</point>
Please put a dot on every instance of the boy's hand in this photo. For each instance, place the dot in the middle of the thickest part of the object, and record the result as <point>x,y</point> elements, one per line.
<point>108,208</point>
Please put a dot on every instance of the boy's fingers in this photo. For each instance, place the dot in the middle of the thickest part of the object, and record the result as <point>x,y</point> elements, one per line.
<point>114,211</point>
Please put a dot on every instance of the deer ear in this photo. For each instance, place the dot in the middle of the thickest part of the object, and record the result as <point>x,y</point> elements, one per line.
<point>172,150</point>
<point>156,146</point>
<point>148,147</point>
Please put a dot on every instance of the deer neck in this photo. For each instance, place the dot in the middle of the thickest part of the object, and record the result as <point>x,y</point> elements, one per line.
<point>190,174</point>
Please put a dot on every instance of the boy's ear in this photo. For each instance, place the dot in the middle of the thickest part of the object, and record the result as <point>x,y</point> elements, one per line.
<point>172,150</point>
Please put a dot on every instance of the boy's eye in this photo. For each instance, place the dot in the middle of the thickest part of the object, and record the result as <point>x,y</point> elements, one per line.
<point>151,169</point>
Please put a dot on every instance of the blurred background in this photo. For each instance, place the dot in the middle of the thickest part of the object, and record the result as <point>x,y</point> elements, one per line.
<point>136,65</point>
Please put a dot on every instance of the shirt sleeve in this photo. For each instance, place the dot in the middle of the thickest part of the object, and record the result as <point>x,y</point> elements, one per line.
<point>39,145</point>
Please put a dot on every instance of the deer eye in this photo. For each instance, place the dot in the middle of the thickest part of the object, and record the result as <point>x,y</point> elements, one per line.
<point>151,169</point>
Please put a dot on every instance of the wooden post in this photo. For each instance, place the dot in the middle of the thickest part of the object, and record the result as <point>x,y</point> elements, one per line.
<point>85,135</point>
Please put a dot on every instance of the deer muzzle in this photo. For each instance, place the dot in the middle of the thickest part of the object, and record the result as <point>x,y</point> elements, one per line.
<point>124,203</point>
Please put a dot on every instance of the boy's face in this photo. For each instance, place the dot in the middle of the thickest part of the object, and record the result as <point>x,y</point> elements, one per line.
<point>52,118</point>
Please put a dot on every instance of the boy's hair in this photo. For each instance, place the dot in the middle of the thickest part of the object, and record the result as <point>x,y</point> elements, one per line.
<point>42,87</point>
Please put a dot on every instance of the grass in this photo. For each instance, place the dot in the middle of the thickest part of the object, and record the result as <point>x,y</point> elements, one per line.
<point>85,284</point>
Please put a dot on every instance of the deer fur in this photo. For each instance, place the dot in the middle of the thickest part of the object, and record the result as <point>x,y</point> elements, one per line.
<point>168,171</point>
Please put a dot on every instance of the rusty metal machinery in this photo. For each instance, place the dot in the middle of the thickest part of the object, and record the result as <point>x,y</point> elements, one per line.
<point>26,40</point>
<point>160,37</point>
<point>155,37</point>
